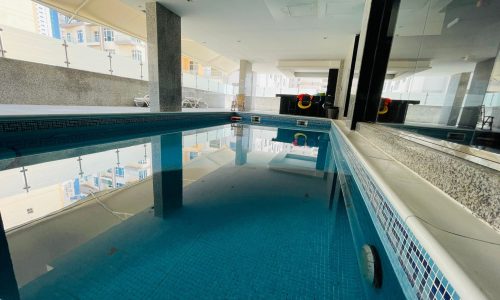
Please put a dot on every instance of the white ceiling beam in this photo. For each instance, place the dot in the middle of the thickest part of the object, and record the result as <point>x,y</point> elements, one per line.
<point>75,13</point>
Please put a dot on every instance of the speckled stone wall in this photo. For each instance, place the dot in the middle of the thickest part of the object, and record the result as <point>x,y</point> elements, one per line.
<point>164,58</point>
<point>32,83</point>
<point>474,186</point>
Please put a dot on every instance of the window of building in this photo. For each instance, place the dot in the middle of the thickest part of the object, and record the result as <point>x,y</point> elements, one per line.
<point>193,67</point>
<point>109,35</point>
<point>79,35</point>
<point>119,172</point>
<point>97,36</point>
<point>137,55</point>
<point>68,37</point>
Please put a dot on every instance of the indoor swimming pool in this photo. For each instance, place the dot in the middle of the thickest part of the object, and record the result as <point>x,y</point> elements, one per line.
<point>226,212</point>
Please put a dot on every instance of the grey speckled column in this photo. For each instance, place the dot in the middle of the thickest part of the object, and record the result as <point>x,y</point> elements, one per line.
<point>455,94</point>
<point>164,58</point>
<point>477,90</point>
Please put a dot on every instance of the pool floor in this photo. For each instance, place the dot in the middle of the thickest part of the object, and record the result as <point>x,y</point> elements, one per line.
<point>243,232</point>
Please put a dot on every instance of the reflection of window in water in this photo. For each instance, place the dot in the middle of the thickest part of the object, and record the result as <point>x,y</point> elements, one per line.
<point>50,186</point>
<point>200,142</point>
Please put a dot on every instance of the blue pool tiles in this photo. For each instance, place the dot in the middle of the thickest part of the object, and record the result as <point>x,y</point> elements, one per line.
<point>219,246</point>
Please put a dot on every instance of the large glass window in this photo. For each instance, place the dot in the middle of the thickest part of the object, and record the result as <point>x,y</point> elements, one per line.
<point>445,58</point>
<point>80,37</point>
<point>137,55</point>
<point>97,36</point>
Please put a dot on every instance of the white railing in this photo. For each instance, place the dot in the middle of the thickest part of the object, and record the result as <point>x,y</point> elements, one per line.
<point>201,83</point>
<point>29,46</point>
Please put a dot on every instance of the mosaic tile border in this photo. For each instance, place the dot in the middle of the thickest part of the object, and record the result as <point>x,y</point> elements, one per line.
<point>422,277</point>
<point>32,123</point>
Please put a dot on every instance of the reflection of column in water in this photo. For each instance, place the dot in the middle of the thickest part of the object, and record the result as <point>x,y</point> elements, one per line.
<point>80,166</point>
<point>26,186</point>
<point>167,173</point>
<point>117,157</point>
<point>242,147</point>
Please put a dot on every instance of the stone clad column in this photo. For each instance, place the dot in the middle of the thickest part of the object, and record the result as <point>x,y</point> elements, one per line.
<point>244,97</point>
<point>165,92</point>
<point>455,93</point>
<point>164,58</point>
<point>475,96</point>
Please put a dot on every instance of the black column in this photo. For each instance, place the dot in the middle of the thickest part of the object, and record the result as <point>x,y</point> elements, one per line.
<point>8,283</point>
<point>351,74</point>
<point>332,83</point>
<point>375,47</point>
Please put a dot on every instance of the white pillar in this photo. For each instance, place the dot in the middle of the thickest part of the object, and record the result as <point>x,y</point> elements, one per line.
<point>244,97</point>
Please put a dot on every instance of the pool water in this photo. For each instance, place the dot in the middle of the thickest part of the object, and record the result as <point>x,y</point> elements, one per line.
<point>255,221</point>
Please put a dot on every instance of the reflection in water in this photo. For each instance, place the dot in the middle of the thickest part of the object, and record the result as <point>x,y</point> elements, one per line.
<point>37,190</point>
<point>218,175</point>
<point>48,187</point>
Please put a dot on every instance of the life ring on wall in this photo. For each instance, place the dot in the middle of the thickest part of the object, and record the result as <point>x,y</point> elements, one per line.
<point>300,98</point>
<point>296,138</point>
<point>385,109</point>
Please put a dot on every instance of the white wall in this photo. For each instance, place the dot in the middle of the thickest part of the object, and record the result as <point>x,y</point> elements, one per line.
<point>18,14</point>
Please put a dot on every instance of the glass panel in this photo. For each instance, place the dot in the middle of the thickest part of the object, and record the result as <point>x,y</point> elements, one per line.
<point>442,76</point>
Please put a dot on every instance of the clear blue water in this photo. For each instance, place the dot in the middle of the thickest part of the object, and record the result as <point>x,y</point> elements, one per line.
<point>255,221</point>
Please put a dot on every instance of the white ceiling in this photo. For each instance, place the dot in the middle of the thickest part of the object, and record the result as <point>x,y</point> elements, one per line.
<point>443,35</point>
<point>266,31</point>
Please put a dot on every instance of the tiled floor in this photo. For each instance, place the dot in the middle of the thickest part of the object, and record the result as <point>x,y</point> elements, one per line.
<point>232,239</point>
